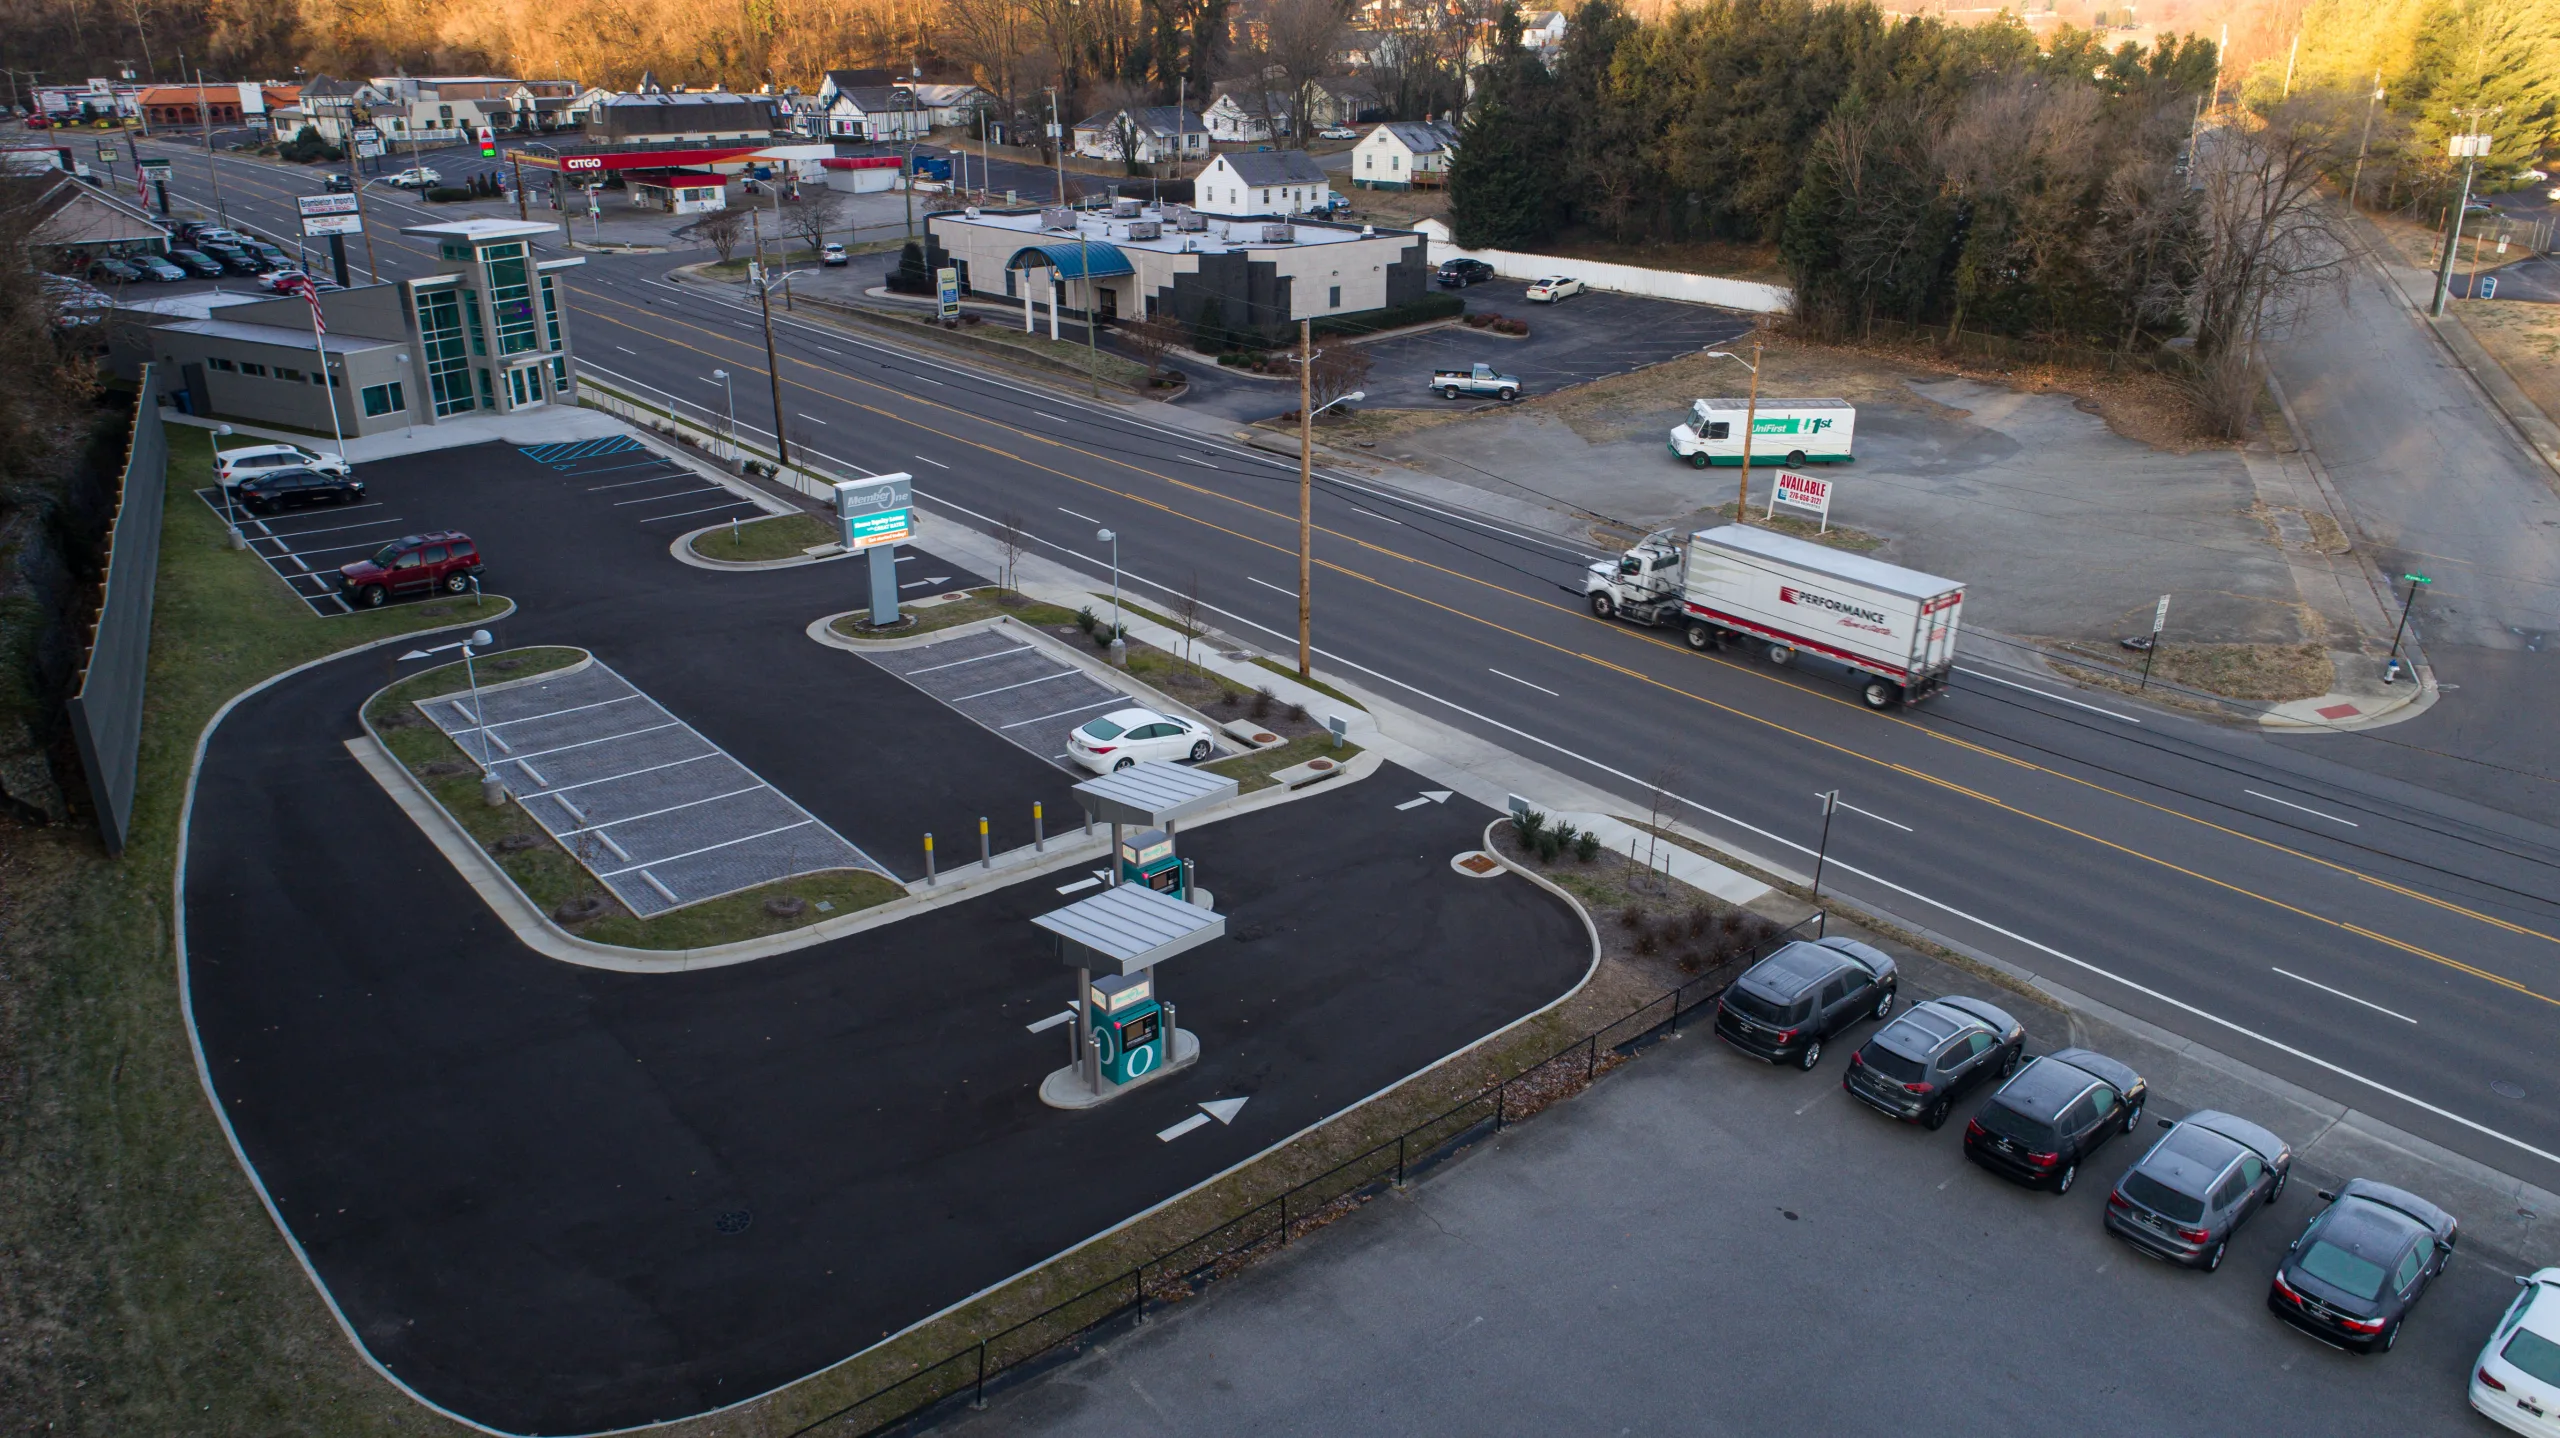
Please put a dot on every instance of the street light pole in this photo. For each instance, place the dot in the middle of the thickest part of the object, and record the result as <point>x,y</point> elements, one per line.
<point>723,376</point>
<point>1119,648</point>
<point>2355,188</point>
<point>2470,147</point>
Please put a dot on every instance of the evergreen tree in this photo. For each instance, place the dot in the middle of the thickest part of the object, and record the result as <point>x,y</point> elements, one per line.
<point>1503,188</point>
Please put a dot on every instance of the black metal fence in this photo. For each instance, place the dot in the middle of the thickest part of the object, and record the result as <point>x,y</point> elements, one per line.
<point>106,706</point>
<point>1060,1331</point>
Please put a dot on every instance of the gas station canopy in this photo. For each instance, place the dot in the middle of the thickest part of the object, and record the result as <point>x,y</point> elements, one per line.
<point>1130,928</point>
<point>1152,795</point>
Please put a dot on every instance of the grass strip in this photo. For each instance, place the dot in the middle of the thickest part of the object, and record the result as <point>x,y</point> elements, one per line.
<point>952,613</point>
<point>1253,771</point>
<point>778,536</point>
<point>1318,685</point>
<point>143,1287</point>
<point>551,877</point>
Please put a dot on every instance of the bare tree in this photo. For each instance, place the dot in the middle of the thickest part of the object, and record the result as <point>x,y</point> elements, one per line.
<point>1149,339</point>
<point>1340,367</point>
<point>1186,608</point>
<point>819,213</point>
<point>721,230</point>
<point>1010,544</point>
<point>1301,41</point>
<point>2266,241</point>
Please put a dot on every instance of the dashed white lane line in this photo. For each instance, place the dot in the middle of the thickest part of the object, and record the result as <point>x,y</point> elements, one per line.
<point>1373,514</point>
<point>938,464</point>
<point>1516,679</point>
<point>1044,414</point>
<point>811,418</point>
<point>2342,993</point>
<point>1870,813</point>
<point>1071,514</point>
<point>2288,803</point>
<point>1267,584</point>
<point>2047,693</point>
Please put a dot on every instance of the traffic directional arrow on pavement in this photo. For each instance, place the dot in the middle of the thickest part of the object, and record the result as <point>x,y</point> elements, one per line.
<point>1429,796</point>
<point>1224,1110</point>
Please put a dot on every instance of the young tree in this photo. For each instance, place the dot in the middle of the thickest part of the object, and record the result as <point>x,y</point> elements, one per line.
<point>2265,242</point>
<point>1186,609</point>
<point>721,230</point>
<point>1151,338</point>
<point>1340,367</point>
<point>1011,541</point>
<point>819,214</point>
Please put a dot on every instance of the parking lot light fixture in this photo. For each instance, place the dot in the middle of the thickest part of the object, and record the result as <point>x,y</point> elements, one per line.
<point>725,389</point>
<point>1119,649</point>
<point>1750,418</point>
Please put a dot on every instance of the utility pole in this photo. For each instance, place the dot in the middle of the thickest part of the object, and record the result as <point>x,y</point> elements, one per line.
<point>2355,190</point>
<point>1306,492</point>
<point>772,366</point>
<point>2470,148</point>
<point>1057,143</point>
<point>1750,421</point>
<point>517,160</point>
<point>204,117</point>
<point>911,162</point>
<point>2289,57</point>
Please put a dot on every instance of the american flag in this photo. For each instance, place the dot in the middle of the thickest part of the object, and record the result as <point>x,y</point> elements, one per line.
<point>301,285</point>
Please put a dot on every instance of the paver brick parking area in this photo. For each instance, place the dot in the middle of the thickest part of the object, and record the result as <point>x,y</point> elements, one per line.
<point>660,815</point>
<point>1018,689</point>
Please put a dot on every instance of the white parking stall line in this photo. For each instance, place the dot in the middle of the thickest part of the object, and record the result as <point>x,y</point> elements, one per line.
<point>652,460</point>
<point>956,663</point>
<point>627,483</point>
<point>2288,803</point>
<point>553,713</point>
<point>331,529</point>
<point>677,494</point>
<point>632,774</point>
<point>2342,993</point>
<point>1516,679</point>
<point>1009,688</point>
<point>588,743</point>
<point>714,509</point>
<point>757,787</point>
<point>329,549</point>
<point>712,848</point>
<point>1063,713</point>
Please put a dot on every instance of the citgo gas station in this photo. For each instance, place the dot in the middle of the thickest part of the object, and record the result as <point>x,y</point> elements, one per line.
<point>676,169</point>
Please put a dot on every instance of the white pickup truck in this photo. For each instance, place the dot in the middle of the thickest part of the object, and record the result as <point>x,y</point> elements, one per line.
<point>1894,629</point>
<point>1482,379</point>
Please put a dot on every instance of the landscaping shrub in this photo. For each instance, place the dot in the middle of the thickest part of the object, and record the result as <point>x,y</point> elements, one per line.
<point>446,194</point>
<point>1085,619</point>
<point>1480,319</point>
<point>911,277</point>
<point>1527,824</point>
<point>1263,699</point>
<point>1505,326</point>
<point>1586,846</point>
<point>1549,845</point>
<point>1565,835</point>
<point>1438,305</point>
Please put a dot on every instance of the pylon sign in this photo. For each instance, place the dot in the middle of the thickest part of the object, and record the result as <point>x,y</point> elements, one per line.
<point>488,143</point>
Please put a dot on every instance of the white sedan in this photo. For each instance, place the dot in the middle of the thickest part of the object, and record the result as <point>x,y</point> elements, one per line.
<point>231,466</point>
<point>2516,1383</point>
<point>420,178</point>
<point>1338,132</point>
<point>1131,736</point>
<point>1553,288</point>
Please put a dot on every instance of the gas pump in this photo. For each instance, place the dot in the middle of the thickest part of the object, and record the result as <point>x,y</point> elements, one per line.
<point>1148,858</point>
<point>1129,1026</point>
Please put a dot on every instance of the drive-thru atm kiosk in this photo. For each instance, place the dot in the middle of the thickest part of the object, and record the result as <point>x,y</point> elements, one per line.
<point>1125,1032</point>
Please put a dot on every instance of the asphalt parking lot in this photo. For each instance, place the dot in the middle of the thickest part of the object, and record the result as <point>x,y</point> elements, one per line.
<point>305,547</point>
<point>1704,1244</point>
<point>660,815</point>
<point>635,484</point>
<point>1583,338</point>
<point>1011,687</point>
<point>555,1199</point>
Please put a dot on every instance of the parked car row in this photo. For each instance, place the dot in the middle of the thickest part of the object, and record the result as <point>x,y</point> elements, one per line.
<point>2351,1277</point>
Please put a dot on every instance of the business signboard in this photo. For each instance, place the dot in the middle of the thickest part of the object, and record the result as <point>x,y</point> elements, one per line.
<point>1802,491</point>
<point>947,285</point>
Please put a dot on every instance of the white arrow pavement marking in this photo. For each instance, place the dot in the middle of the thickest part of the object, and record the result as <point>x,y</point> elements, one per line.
<point>1429,796</point>
<point>921,583</point>
<point>1079,885</point>
<point>1224,1110</point>
<point>1178,1130</point>
<point>1411,804</point>
<point>1051,1022</point>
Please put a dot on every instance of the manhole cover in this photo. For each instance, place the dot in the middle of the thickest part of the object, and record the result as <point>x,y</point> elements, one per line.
<point>2504,1089</point>
<point>735,1220</point>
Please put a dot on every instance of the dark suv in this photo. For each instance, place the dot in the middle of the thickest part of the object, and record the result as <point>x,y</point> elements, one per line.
<point>1458,274</point>
<point>445,560</point>
<point>2355,1273</point>
<point>295,487</point>
<point>1784,1006</point>
<point>2058,1110</point>
<point>1916,1067</point>
<point>2184,1199</point>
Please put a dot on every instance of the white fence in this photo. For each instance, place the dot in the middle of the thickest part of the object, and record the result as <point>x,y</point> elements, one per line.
<point>1625,279</point>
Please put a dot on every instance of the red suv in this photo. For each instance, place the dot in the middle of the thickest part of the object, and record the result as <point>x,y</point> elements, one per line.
<point>445,560</point>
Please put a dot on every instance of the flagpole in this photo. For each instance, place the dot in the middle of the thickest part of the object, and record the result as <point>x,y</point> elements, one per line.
<point>328,387</point>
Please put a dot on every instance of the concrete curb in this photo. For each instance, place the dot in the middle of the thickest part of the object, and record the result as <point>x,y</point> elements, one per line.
<point>682,551</point>
<point>1590,926</point>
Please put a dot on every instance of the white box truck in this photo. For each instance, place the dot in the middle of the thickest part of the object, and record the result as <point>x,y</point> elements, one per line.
<point>1783,431</point>
<point>1893,628</point>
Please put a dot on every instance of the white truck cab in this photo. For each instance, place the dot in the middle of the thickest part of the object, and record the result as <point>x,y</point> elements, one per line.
<point>1783,431</point>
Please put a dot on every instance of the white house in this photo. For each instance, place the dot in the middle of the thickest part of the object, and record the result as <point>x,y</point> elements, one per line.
<point>1158,132</point>
<point>1401,154</point>
<point>1542,32</point>
<point>1242,116</point>
<point>1262,182</point>
<point>946,106</point>
<point>874,112</point>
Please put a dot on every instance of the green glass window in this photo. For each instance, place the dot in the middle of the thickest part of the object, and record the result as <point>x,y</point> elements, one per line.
<point>550,312</point>
<point>382,399</point>
<point>488,397</point>
<point>559,375</point>
<point>510,278</point>
<point>440,333</point>
<point>471,319</point>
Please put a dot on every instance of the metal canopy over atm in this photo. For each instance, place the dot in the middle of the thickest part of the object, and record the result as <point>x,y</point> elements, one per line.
<point>1130,929</point>
<point>1152,795</point>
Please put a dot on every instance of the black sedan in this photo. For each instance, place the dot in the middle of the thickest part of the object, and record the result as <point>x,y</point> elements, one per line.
<point>2354,1274</point>
<point>202,266</point>
<point>1784,1006</point>
<point>336,183</point>
<point>1916,1067</point>
<point>157,268</point>
<point>1458,274</point>
<point>2184,1199</point>
<point>294,488</point>
<point>113,270</point>
<point>2060,1109</point>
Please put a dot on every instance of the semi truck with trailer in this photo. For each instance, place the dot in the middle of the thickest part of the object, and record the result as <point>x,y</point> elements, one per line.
<point>1783,431</point>
<point>1893,628</point>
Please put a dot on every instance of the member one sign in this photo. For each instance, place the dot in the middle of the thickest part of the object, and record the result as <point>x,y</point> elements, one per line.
<point>876,511</point>
<point>1802,491</point>
<point>947,282</point>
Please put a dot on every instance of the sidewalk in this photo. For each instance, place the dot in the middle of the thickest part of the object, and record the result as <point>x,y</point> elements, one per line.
<point>2417,288</point>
